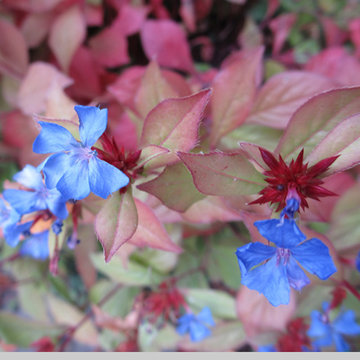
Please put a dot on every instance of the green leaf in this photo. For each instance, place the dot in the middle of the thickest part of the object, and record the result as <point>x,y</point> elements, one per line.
<point>174,187</point>
<point>221,304</point>
<point>22,332</point>
<point>223,174</point>
<point>134,274</point>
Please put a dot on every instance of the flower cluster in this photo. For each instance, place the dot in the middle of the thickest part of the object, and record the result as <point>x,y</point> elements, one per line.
<point>46,193</point>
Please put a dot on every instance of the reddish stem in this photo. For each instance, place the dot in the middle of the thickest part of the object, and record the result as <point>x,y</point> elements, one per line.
<point>351,288</point>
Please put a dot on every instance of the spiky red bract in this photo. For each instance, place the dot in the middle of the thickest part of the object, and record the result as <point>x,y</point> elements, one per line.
<point>166,302</point>
<point>296,338</point>
<point>297,178</point>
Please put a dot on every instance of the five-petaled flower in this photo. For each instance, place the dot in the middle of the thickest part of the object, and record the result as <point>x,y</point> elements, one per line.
<point>293,181</point>
<point>38,197</point>
<point>75,168</point>
<point>196,325</point>
<point>327,333</point>
<point>280,270</point>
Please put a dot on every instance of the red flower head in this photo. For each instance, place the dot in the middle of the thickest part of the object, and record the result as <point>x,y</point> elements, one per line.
<point>296,338</point>
<point>295,180</point>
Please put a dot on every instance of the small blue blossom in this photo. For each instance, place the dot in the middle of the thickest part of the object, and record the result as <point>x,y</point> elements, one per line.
<point>196,325</point>
<point>357,261</point>
<point>327,333</point>
<point>57,226</point>
<point>291,207</point>
<point>39,197</point>
<point>74,168</point>
<point>36,246</point>
<point>267,348</point>
<point>280,271</point>
<point>8,220</point>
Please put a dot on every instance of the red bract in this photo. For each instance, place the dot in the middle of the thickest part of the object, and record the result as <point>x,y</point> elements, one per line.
<point>296,337</point>
<point>125,162</point>
<point>44,344</point>
<point>167,301</point>
<point>295,180</point>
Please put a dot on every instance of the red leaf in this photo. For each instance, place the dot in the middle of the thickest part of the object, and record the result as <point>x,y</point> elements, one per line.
<point>13,51</point>
<point>174,123</point>
<point>233,93</point>
<point>165,41</point>
<point>279,98</point>
<point>281,27</point>
<point>150,232</point>
<point>35,28</point>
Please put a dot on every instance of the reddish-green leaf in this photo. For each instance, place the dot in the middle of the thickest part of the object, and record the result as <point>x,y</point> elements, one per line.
<point>116,222</point>
<point>154,89</point>
<point>343,139</point>
<point>233,93</point>
<point>174,123</point>
<point>316,118</point>
<point>223,174</point>
<point>150,232</point>
<point>283,94</point>
<point>174,187</point>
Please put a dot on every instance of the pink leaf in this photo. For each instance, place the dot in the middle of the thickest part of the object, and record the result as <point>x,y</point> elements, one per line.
<point>174,123</point>
<point>259,316</point>
<point>354,28</point>
<point>150,232</point>
<point>333,34</point>
<point>36,6</point>
<point>38,81</point>
<point>109,47</point>
<point>13,51</point>
<point>130,19</point>
<point>66,35</point>
<point>165,41</point>
<point>336,64</point>
<point>316,118</point>
<point>233,93</point>
<point>149,154</point>
<point>153,89</point>
<point>209,210</point>
<point>116,223</point>
<point>174,187</point>
<point>343,139</point>
<point>223,174</point>
<point>283,94</point>
<point>35,28</point>
<point>281,26</point>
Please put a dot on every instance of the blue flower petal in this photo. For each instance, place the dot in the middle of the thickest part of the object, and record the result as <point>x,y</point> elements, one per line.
<point>8,215</point>
<point>55,167</point>
<point>198,331</point>
<point>53,138</point>
<point>340,344</point>
<point>12,233</point>
<point>184,323</point>
<point>319,328</point>
<point>57,204</point>
<point>284,234</point>
<point>345,323</point>
<point>75,182</point>
<point>271,280</point>
<point>23,201</point>
<point>93,122</point>
<point>267,348</point>
<point>205,316</point>
<point>30,177</point>
<point>105,178</point>
<point>357,261</point>
<point>36,246</point>
<point>297,278</point>
<point>253,254</point>
<point>314,256</point>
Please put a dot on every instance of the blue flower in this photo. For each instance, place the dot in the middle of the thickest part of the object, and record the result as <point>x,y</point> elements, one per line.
<point>74,168</point>
<point>36,246</point>
<point>267,348</point>
<point>280,271</point>
<point>38,198</point>
<point>357,261</point>
<point>196,324</point>
<point>8,220</point>
<point>327,333</point>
